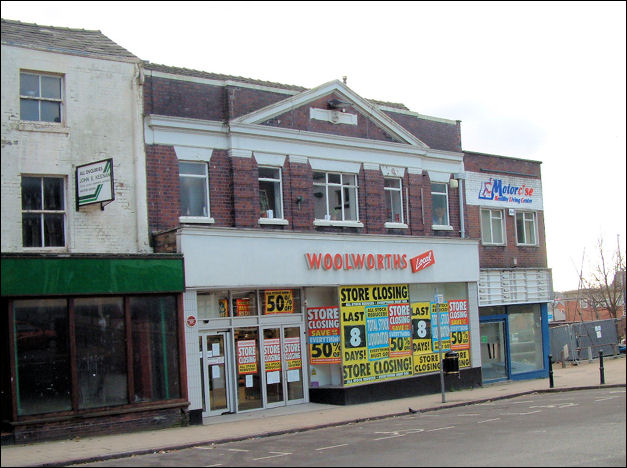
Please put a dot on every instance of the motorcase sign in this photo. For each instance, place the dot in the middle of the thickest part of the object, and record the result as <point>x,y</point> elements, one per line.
<point>247,357</point>
<point>94,183</point>
<point>323,333</point>
<point>368,352</point>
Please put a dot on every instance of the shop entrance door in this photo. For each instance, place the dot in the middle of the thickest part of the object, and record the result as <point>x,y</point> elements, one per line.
<point>284,376</point>
<point>216,367</point>
<point>493,352</point>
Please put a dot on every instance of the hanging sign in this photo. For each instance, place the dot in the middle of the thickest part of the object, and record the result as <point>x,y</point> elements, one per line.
<point>94,183</point>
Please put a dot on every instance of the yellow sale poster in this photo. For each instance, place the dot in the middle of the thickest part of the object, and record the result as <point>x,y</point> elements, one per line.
<point>370,349</point>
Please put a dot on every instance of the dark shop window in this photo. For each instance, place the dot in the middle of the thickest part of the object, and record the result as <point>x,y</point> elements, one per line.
<point>101,352</point>
<point>43,382</point>
<point>155,350</point>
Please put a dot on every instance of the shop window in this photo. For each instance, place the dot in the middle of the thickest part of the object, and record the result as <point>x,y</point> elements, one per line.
<point>393,200</point>
<point>40,97</point>
<point>492,227</point>
<point>439,200</point>
<point>335,196</point>
<point>42,357</point>
<point>194,189</point>
<point>526,228</point>
<point>244,303</point>
<point>281,301</point>
<point>525,338</point>
<point>43,211</point>
<point>212,305</point>
<point>155,349</point>
<point>270,193</point>
<point>100,352</point>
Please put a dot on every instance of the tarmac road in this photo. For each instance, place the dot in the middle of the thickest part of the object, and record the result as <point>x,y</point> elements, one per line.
<point>578,428</point>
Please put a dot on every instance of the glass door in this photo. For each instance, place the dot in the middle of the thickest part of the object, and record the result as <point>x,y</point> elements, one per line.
<point>283,365</point>
<point>215,373</point>
<point>493,352</point>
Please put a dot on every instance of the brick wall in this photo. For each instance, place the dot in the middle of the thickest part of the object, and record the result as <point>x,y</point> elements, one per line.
<point>162,173</point>
<point>509,255</point>
<point>299,119</point>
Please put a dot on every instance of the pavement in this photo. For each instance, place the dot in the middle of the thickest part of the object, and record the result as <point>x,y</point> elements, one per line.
<point>228,428</point>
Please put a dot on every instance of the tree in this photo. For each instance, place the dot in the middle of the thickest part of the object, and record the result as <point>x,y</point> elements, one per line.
<point>604,286</point>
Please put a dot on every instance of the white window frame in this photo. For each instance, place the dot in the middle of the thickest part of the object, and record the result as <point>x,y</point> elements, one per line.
<point>275,219</point>
<point>388,208</point>
<point>43,212</point>
<point>492,212</point>
<point>527,217</point>
<point>41,98</point>
<point>327,221</point>
<point>205,176</point>
<point>443,227</point>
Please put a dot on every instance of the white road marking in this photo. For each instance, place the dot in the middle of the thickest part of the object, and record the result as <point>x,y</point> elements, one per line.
<point>468,414</point>
<point>440,428</point>
<point>488,420</point>
<point>521,414</point>
<point>217,464</point>
<point>204,448</point>
<point>332,446</point>
<point>239,450</point>
<point>278,454</point>
<point>608,398</point>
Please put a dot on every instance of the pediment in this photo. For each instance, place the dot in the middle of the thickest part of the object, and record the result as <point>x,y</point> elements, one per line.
<point>318,110</point>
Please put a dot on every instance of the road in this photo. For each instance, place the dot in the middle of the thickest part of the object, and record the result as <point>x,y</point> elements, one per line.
<point>576,428</point>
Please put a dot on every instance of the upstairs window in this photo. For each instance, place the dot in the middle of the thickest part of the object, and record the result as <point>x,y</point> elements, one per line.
<point>492,227</point>
<point>393,200</point>
<point>194,188</point>
<point>335,196</point>
<point>43,212</point>
<point>40,97</point>
<point>270,193</point>
<point>526,228</point>
<point>439,200</point>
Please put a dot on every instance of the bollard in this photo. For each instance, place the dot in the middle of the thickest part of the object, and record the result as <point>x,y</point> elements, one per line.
<point>601,369</point>
<point>550,371</point>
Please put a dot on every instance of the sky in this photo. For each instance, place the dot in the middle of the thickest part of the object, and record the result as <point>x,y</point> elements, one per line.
<point>543,81</point>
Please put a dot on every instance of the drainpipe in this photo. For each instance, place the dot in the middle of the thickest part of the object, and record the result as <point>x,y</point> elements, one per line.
<point>461,176</point>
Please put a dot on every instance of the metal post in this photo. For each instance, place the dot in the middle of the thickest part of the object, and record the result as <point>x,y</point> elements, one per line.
<point>601,369</point>
<point>551,384</point>
<point>440,354</point>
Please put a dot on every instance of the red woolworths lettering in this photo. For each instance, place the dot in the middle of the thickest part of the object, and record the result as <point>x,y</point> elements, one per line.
<point>422,261</point>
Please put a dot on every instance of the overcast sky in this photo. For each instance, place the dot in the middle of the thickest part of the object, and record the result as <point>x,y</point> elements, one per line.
<point>542,81</point>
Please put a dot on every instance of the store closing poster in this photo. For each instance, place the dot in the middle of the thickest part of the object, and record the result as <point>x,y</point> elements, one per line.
<point>376,333</point>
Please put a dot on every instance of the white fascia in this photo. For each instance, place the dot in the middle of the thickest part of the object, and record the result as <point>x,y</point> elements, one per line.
<point>180,131</point>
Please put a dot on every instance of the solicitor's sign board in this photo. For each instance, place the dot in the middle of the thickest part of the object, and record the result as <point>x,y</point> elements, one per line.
<point>94,183</point>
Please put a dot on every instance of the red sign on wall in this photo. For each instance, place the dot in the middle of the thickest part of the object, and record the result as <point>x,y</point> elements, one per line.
<point>422,261</point>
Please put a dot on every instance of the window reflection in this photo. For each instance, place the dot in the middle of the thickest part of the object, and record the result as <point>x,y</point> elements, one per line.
<point>42,356</point>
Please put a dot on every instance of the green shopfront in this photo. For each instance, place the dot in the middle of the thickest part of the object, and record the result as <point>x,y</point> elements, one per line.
<point>92,343</point>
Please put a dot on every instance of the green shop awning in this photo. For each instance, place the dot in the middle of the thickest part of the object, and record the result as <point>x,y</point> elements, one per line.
<point>55,275</point>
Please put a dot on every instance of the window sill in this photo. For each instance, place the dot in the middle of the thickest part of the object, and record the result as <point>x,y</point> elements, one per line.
<point>526,245</point>
<point>441,227</point>
<point>275,221</point>
<point>396,226</point>
<point>486,244</point>
<point>325,222</point>
<point>195,220</point>
<point>43,127</point>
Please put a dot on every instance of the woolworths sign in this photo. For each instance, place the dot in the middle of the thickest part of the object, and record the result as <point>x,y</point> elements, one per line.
<point>94,183</point>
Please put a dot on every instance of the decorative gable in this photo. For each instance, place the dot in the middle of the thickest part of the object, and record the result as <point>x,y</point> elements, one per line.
<point>332,108</point>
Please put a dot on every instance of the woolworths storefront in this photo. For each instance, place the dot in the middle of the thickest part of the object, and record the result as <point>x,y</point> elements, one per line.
<point>284,318</point>
<point>91,343</point>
